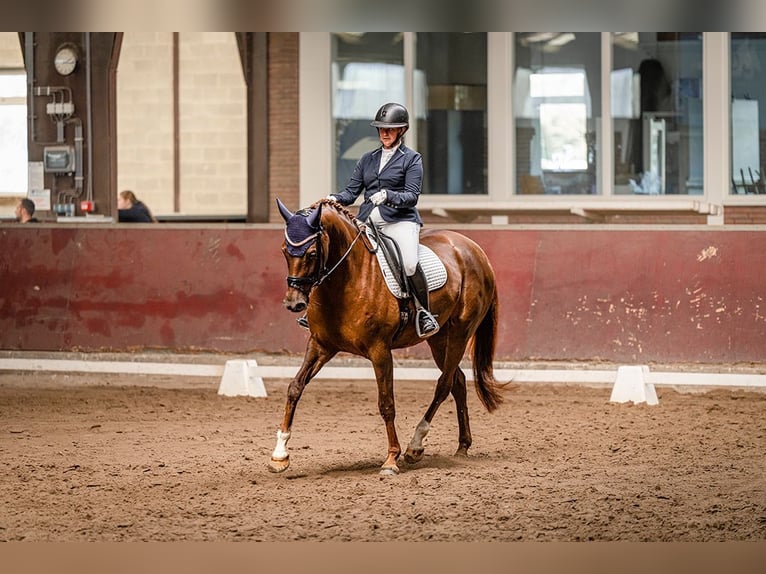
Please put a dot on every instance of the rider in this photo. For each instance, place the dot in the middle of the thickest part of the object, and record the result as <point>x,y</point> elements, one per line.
<point>391,177</point>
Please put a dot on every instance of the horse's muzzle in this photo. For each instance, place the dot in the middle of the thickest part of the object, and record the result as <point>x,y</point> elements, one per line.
<point>295,301</point>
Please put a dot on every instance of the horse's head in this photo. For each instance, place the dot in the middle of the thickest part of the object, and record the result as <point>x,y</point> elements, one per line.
<point>304,252</point>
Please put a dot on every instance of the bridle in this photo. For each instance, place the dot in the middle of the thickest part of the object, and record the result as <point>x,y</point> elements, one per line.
<point>306,283</point>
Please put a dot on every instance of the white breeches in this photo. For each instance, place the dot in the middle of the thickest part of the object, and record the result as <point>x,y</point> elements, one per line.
<point>407,236</point>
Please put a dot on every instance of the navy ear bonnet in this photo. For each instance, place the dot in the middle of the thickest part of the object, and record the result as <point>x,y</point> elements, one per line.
<point>299,233</point>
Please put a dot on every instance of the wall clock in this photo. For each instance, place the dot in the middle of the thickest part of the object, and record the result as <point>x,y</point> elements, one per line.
<point>66,59</point>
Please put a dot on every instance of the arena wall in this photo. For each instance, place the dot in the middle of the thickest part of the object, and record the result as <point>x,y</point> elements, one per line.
<point>636,294</point>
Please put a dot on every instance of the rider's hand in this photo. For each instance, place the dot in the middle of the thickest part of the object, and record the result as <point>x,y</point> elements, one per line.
<point>379,197</point>
<point>331,196</point>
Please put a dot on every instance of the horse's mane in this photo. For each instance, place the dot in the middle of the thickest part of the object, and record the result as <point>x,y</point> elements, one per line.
<point>338,207</point>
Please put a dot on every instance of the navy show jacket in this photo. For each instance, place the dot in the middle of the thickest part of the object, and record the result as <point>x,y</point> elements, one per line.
<point>402,177</point>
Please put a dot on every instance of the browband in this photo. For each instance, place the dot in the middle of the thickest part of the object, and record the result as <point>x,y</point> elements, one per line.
<point>303,242</point>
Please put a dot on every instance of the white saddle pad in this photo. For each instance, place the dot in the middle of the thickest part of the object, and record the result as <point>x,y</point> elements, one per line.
<point>436,274</point>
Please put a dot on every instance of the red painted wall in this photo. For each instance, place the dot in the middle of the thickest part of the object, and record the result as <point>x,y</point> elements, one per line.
<point>628,295</point>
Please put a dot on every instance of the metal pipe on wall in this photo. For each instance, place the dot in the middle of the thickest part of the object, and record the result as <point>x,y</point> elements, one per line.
<point>89,112</point>
<point>29,41</point>
<point>78,177</point>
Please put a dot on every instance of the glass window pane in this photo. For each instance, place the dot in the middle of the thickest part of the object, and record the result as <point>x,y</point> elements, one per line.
<point>13,133</point>
<point>557,107</point>
<point>13,85</point>
<point>451,110</point>
<point>367,72</point>
<point>748,96</point>
<point>656,84</point>
<point>561,129</point>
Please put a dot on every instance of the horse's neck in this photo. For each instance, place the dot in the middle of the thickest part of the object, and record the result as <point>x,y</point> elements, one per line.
<point>342,234</point>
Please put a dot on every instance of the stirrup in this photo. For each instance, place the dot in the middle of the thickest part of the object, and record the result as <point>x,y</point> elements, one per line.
<point>431,326</point>
<point>303,322</point>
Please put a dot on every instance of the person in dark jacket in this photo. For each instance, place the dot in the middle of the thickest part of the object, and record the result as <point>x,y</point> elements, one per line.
<point>25,211</point>
<point>391,177</point>
<point>131,210</point>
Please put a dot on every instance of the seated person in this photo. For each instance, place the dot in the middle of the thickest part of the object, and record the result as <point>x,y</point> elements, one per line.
<point>25,211</point>
<point>131,210</point>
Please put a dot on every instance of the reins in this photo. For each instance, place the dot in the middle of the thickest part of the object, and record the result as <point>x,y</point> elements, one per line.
<point>326,274</point>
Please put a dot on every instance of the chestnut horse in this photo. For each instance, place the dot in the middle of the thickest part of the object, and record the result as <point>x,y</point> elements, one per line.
<point>334,276</point>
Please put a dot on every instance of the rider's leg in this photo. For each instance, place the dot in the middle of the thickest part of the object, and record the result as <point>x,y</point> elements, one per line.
<point>407,236</point>
<point>426,323</point>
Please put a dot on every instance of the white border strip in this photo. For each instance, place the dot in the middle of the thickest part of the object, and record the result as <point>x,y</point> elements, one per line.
<point>707,379</point>
<point>570,376</point>
<point>126,367</point>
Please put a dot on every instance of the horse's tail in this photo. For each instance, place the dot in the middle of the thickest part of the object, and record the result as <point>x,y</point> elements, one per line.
<point>483,354</point>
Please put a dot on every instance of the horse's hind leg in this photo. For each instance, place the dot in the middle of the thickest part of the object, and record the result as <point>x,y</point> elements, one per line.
<point>414,452</point>
<point>461,404</point>
<point>451,380</point>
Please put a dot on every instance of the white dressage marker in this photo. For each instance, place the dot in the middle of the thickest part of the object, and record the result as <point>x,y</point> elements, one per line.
<point>239,379</point>
<point>631,385</point>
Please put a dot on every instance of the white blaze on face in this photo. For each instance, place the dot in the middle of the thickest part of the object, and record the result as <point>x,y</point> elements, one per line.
<point>280,451</point>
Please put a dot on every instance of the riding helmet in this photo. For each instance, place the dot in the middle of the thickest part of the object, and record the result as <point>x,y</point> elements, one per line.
<point>391,115</point>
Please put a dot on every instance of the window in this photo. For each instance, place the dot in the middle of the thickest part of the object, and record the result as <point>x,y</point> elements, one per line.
<point>451,111</point>
<point>748,101</point>
<point>656,85</point>
<point>602,124</point>
<point>367,71</point>
<point>447,102</point>
<point>561,101</point>
<point>555,78</point>
<point>13,133</point>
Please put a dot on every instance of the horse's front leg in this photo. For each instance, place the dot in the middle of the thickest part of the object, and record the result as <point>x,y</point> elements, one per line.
<point>383,364</point>
<point>316,357</point>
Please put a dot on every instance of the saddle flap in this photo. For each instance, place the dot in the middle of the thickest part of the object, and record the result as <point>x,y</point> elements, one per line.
<point>435,272</point>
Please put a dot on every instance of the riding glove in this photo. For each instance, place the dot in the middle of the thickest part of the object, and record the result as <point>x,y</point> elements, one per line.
<point>379,197</point>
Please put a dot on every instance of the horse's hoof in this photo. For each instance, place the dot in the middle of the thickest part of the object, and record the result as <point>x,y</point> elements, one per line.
<point>279,465</point>
<point>389,471</point>
<point>413,455</point>
<point>462,451</point>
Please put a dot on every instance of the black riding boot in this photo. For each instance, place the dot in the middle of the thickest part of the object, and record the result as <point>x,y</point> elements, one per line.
<point>425,323</point>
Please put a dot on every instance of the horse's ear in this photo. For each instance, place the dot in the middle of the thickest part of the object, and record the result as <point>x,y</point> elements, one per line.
<point>314,217</point>
<point>286,214</point>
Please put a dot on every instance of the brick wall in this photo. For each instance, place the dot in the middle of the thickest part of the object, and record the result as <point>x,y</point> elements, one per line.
<point>212,122</point>
<point>284,159</point>
<point>745,215</point>
<point>145,118</point>
<point>10,50</point>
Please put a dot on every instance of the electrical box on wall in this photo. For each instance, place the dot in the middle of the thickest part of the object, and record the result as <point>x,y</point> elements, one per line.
<point>59,159</point>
